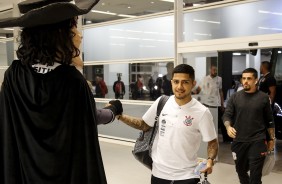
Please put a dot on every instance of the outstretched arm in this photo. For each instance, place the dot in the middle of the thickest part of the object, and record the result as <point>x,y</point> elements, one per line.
<point>134,122</point>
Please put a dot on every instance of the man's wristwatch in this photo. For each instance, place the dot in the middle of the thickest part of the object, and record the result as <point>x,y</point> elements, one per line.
<point>212,159</point>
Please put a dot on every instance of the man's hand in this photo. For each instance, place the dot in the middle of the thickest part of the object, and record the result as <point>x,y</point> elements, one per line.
<point>231,131</point>
<point>270,145</point>
<point>209,166</point>
<point>115,106</point>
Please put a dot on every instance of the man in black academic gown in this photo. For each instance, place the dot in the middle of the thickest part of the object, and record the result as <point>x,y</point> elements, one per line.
<point>48,117</point>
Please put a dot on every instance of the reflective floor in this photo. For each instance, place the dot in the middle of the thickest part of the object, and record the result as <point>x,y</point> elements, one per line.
<point>122,168</point>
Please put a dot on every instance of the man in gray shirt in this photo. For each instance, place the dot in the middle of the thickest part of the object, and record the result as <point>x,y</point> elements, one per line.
<point>248,119</point>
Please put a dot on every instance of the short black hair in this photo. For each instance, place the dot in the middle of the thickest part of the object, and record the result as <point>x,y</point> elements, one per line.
<point>251,70</point>
<point>184,68</point>
<point>266,65</point>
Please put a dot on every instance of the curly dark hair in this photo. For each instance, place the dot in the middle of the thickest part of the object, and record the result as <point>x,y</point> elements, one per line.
<point>48,43</point>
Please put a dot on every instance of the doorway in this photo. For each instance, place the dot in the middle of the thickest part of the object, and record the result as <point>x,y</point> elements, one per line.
<point>239,60</point>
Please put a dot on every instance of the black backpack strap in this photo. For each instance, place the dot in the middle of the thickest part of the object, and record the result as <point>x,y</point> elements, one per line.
<point>161,104</point>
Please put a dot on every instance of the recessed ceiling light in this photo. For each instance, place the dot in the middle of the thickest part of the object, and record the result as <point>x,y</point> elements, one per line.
<point>8,29</point>
<point>171,1</point>
<point>103,12</point>
<point>123,15</point>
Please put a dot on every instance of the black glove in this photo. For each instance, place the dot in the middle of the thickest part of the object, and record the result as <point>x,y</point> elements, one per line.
<point>115,107</point>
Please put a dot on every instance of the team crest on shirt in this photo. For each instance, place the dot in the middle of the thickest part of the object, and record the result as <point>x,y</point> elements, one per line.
<point>188,120</point>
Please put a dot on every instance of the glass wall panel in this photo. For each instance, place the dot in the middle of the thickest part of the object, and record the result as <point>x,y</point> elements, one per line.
<point>151,38</point>
<point>6,56</point>
<point>253,18</point>
<point>140,81</point>
<point>109,10</point>
<point>278,66</point>
<point>6,52</point>
<point>207,81</point>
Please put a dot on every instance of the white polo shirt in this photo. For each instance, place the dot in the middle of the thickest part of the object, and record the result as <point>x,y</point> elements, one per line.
<point>181,130</point>
<point>211,86</point>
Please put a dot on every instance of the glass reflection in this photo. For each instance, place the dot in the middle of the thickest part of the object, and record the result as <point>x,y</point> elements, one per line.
<point>109,10</point>
<point>208,82</point>
<point>137,81</point>
<point>259,18</point>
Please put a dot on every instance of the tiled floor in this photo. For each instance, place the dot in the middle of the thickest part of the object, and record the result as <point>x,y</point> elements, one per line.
<point>122,168</point>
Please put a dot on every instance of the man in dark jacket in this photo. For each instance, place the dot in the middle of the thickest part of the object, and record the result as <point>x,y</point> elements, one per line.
<point>119,88</point>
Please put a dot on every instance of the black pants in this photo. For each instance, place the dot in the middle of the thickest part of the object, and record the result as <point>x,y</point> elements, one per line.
<point>249,156</point>
<point>155,180</point>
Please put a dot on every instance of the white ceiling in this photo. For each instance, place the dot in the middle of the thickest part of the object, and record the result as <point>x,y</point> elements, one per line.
<point>128,7</point>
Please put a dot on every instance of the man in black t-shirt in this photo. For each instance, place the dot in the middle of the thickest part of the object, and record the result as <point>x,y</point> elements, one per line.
<point>267,82</point>
<point>247,118</point>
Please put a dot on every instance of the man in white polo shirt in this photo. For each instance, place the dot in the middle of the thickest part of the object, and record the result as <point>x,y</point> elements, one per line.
<point>183,124</point>
<point>211,85</point>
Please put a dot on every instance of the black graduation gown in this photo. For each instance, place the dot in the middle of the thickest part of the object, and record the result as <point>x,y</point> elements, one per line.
<point>48,128</point>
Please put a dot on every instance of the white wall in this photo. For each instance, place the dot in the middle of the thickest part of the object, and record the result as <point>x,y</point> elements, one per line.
<point>238,64</point>
<point>110,73</point>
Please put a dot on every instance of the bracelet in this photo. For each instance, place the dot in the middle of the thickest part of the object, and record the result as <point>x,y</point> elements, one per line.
<point>272,139</point>
<point>210,158</point>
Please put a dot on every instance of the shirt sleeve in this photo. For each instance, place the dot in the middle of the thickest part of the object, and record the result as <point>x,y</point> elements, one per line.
<point>271,81</point>
<point>229,110</point>
<point>149,116</point>
<point>268,115</point>
<point>206,127</point>
<point>104,116</point>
